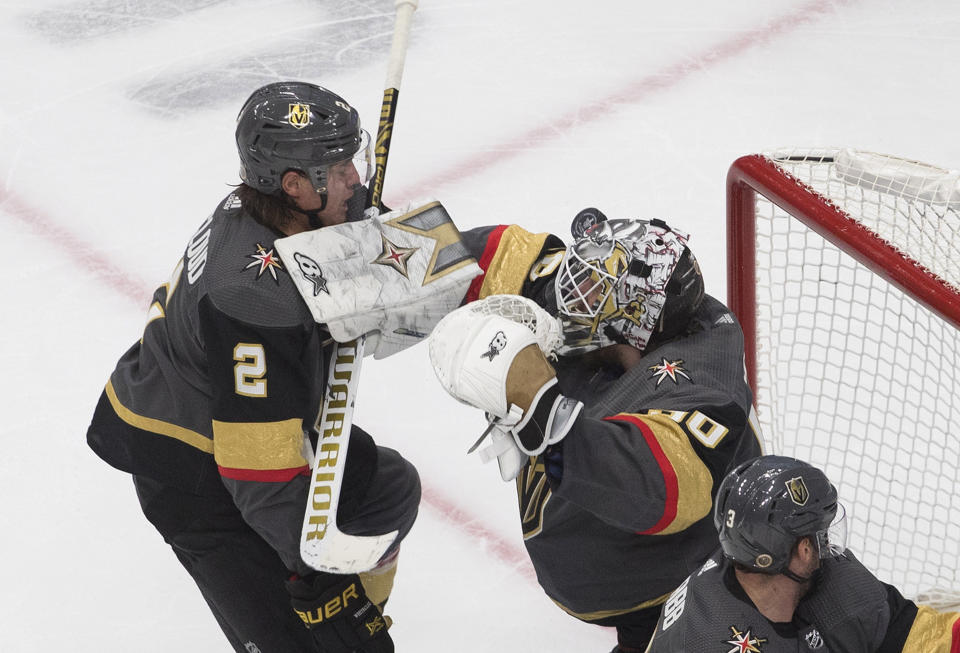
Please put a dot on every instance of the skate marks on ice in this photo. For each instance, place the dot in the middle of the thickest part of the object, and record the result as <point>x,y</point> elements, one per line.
<point>330,36</point>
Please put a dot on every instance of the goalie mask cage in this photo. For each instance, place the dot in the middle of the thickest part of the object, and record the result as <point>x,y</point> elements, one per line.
<point>844,271</point>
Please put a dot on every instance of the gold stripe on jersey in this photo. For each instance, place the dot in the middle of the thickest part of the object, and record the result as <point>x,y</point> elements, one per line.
<point>259,445</point>
<point>932,631</point>
<point>517,252</point>
<point>694,482</point>
<point>157,426</point>
<point>603,614</point>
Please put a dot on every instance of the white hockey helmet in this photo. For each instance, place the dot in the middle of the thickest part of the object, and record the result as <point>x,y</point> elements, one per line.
<point>625,281</point>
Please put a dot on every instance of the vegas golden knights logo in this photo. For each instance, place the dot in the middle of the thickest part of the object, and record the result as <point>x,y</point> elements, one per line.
<point>299,115</point>
<point>532,494</point>
<point>798,490</point>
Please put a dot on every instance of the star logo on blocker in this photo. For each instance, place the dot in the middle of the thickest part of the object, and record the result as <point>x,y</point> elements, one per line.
<point>743,642</point>
<point>395,256</point>
<point>670,369</point>
<point>267,261</point>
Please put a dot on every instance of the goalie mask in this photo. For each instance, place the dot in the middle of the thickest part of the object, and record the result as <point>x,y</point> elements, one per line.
<point>626,281</point>
<point>298,126</point>
<point>766,504</point>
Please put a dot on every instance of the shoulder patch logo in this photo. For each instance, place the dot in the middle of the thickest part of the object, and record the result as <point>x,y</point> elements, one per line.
<point>708,565</point>
<point>744,642</point>
<point>798,490</point>
<point>813,640</point>
<point>267,261</point>
<point>232,202</point>
<point>298,115</point>
<point>671,369</point>
<point>311,270</point>
<point>394,256</point>
<point>726,318</point>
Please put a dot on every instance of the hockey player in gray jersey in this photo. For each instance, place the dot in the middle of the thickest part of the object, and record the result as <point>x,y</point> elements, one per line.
<point>618,442</point>
<point>210,409</point>
<point>783,581</point>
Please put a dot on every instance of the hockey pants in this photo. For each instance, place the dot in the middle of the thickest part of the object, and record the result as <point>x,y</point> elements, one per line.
<point>240,576</point>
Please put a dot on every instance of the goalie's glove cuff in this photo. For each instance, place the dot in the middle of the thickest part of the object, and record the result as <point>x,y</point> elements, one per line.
<point>340,617</point>
<point>547,421</point>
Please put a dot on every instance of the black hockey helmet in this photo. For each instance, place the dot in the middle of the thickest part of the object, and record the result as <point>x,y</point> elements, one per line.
<point>625,281</point>
<point>766,504</point>
<point>298,126</point>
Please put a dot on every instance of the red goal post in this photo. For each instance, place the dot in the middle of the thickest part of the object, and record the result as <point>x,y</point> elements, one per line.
<point>844,271</point>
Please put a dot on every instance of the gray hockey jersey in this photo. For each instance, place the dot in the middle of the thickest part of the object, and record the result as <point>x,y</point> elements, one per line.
<point>225,383</point>
<point>631,515</point>
<point>847,611</point>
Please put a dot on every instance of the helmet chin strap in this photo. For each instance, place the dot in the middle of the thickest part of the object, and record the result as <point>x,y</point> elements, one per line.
<point>797,578</point>
<point>354,208</point>
<point>313,216</point>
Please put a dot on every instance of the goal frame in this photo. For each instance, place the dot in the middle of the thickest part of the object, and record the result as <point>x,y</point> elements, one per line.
<point>755,173</point>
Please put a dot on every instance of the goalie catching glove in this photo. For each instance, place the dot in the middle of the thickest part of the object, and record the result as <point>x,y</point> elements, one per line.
<point>340,617</point>
<point>492,355</point>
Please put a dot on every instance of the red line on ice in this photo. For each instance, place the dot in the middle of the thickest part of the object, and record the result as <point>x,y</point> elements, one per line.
<point>87,258</point>
<point>661,80</point>
<point>90,259</point>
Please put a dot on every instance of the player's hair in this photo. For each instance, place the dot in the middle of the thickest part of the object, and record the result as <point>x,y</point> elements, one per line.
<point>272,211</point>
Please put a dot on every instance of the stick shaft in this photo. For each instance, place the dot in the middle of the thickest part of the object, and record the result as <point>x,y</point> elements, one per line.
<point>323,545</point>
<point>391,93</point>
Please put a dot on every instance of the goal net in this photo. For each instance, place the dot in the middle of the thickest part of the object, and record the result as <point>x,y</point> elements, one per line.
<point>844,270</point>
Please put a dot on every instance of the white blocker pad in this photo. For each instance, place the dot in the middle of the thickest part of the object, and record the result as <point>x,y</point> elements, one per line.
<point>392,277</point>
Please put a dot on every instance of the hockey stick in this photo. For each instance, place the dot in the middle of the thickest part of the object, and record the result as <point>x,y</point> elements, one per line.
<point>323,545</point>
<point>388,108</point>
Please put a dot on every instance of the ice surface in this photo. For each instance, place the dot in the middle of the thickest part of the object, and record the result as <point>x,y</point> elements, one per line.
<point>116,140</point>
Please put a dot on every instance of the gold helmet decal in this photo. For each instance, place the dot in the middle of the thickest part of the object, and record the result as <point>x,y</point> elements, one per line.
<point>299,115</point>
<point>798,490</point>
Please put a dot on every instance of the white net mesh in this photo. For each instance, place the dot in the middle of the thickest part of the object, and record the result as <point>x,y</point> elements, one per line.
<point>857,377</point>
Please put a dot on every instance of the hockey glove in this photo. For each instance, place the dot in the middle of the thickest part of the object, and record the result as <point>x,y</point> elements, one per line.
<point>339,615</point>
<point>494,363</point>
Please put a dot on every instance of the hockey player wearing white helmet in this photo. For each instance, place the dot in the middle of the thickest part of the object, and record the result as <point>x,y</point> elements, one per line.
<point>617,402</point>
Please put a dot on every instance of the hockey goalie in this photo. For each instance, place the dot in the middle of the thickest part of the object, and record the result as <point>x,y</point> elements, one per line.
<point>616,400</point>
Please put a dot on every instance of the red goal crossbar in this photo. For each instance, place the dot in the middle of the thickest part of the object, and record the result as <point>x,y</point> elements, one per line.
<point>757,173</point>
